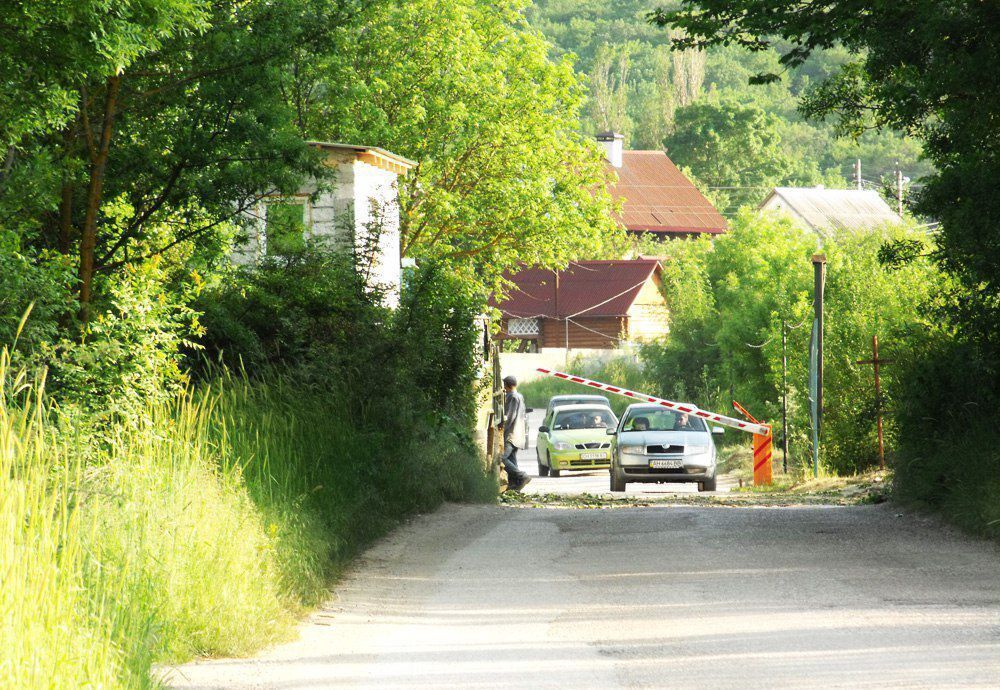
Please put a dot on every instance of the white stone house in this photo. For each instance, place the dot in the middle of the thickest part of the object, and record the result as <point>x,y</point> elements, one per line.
<point>356,210</point>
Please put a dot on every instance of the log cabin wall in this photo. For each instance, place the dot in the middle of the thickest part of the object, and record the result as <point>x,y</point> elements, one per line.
<point>609,331</point>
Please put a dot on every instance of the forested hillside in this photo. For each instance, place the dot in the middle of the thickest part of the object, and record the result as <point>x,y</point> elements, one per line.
<point>702,109</point>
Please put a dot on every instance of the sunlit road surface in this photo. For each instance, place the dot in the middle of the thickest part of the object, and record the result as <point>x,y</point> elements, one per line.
<point>675,596</point>
<point>598,482</point>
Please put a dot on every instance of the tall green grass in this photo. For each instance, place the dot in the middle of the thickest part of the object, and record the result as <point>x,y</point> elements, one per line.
<point>202,532</point>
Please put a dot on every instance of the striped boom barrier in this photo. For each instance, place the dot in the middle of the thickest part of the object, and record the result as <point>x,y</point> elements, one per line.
<point>742,425</point>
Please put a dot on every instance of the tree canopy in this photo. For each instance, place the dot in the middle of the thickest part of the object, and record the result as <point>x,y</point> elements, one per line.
<point>474,97</point>
<point>920,67</point>
<point>659,83</point>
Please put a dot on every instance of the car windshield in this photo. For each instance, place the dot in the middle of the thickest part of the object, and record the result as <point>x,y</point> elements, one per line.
<point>662,420</point>
<point>584,419</point>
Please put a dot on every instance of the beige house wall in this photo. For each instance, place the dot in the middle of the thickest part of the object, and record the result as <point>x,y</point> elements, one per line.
<point>648,318</point>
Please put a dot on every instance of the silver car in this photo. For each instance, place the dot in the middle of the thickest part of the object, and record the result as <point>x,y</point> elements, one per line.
<point>654,444</point>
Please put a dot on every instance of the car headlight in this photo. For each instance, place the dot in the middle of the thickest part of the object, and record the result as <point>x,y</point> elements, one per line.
<point>562,445</point>
<point>633,450</point>
<point>696,450</point>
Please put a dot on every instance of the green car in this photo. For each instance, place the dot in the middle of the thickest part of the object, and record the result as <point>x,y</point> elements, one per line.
<point>575,437</point>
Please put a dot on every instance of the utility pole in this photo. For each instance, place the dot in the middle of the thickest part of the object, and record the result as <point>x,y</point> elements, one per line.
<point>875,361</point>
<point>899,190</point>
<point>857,174</point>
<point>784,400</point>
<point>816,356</point>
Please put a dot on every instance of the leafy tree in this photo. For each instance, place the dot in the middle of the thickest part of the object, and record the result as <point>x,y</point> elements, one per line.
<point>50,46</point>
<point>474,98</point>
<point>656,86</point>
<point>728,299</point>
<point>172,137</point>
<point>608,88</point>
<point>736,150</point>
<point>920,68</point>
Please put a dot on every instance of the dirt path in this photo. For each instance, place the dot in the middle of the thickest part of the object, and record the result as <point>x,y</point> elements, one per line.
<point>680,597</point>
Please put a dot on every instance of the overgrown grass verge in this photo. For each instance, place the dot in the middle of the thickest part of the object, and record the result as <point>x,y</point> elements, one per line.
<point>202,530</point>
<point>872,486</point>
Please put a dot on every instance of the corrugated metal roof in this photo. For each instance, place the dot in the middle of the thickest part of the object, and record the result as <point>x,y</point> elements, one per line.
<point>657,197</point>
<point>358,148</point>
<point>586,289</point>
<point>833,209</point>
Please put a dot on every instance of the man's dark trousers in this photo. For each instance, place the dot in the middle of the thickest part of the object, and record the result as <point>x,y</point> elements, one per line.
<point>514,475</point>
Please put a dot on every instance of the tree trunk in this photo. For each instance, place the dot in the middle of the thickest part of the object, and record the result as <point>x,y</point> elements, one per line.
<point>99,161</point>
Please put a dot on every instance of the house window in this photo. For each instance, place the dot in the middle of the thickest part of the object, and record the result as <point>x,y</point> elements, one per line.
<point>520,328</point>
<point>286,227</point>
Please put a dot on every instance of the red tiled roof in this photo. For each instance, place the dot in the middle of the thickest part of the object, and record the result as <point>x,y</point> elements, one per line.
<point>586,289</point>
<point>659,198</point>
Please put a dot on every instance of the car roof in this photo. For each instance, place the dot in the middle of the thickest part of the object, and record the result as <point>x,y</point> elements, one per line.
<point>653,407</point>
<point>582,396</point>
<point>583,406</point>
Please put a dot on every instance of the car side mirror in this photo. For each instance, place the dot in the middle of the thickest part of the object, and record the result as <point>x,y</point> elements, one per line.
<point>718,430</point>
<point>543,430</point>
<point>611,432</point>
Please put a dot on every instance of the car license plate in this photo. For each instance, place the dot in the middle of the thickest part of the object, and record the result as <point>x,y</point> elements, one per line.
<point>665,464</point>
<point>593,456</point>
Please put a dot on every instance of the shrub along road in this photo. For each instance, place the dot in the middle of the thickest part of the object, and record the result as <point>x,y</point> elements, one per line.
<point>675,596</point>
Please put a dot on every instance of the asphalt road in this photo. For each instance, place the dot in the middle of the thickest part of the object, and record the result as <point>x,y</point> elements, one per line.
<point>654,597</point>
<point>572,482</point>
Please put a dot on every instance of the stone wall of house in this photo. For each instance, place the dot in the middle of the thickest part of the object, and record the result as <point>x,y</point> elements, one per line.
<point>376,210</point>
<point>331,214</point>
<point>357,206</point>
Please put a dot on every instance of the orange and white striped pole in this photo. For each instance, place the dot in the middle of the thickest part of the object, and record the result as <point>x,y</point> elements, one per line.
<point>742,425</point>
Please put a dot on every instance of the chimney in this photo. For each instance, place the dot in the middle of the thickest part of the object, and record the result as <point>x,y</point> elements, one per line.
<point>613,143</point>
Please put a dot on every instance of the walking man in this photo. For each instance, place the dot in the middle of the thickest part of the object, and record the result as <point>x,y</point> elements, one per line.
<point>515,433</point>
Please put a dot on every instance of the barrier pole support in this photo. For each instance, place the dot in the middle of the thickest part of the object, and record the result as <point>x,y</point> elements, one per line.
<point>762,451</point>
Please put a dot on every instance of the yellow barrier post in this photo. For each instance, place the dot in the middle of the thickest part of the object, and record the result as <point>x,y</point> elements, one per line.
<point>762,450</point>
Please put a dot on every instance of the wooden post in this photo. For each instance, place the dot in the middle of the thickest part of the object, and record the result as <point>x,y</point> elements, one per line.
<point>784,399</point>
<point>819,283</point>
<point>876,362</point>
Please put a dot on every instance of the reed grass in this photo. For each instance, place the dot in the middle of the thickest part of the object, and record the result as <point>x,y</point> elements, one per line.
<point>202,532</point>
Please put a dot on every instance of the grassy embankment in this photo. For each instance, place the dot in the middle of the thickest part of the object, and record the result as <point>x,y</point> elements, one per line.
<point>203,532</point>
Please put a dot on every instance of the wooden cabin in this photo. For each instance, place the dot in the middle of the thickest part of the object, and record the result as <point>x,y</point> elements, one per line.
<point>587,305</point>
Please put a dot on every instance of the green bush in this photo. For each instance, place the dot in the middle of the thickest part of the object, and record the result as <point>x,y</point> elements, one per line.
<point>310,306</point>
<point>129,353</point>
<point>947,416</point>
<point>36,287</point>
